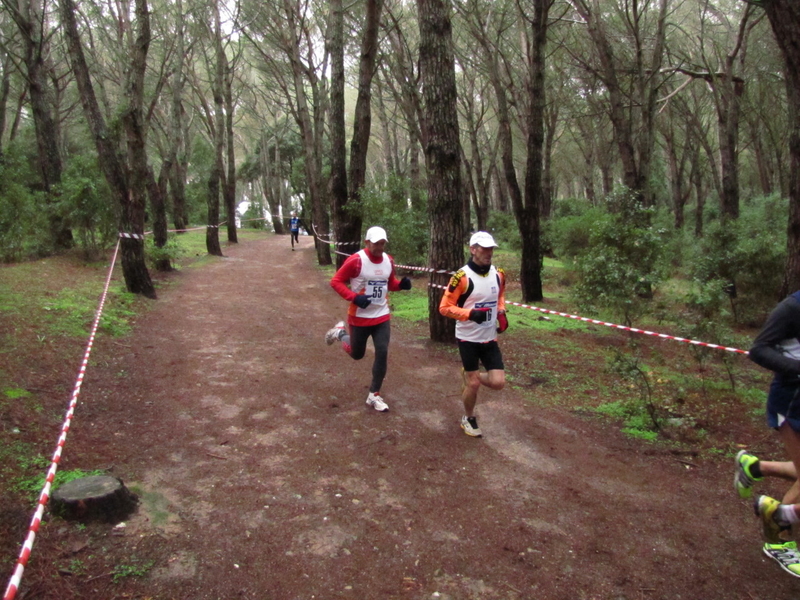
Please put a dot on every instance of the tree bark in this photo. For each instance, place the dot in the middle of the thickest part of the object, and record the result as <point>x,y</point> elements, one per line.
<point>784,16</point>
<point>676,155</point>
<point>362,121</point>
<point>476,180</point>
<point>528,216</point>
<point>632,107</point>
<point>217,122</point>
<point>229,192</point>
<point>728,119</point>
<point>311,147</point>
<point>271,185</point>
<point>30,22</point>
<point>157,191</point>
<point>133,122</point>
<point>337,184</point>
<point>548,191</point>
<point>442,155</point>
<point>700,195</point>
<point>117,173</point>
<point>178,144</point>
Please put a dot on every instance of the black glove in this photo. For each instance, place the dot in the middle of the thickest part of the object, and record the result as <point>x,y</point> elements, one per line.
<point>362,300</point>
<point>479,315</point>
<point>405,283</point>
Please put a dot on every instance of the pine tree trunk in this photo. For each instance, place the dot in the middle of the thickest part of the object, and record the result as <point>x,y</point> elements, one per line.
<point>33,36</point>
<point>118,174</point>
<point>157,192</point>
<point>529,217</point>
<point>229,192</point>
<point>362,121</point>
<point>784,15</point>
<point>337,184</point>
<point>177,153</point>
<point>217,175</point>
<point>442,155</point>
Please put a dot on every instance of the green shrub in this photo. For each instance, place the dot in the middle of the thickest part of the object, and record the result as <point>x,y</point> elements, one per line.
<point>171,251</point>
<point>504,229</point>
<point>746,255</point>
<point>24,229</point>
<point>620,268</point>
<point>570,207</point>
<point>253,217</point>
<point>387,204</point>
<point>569,235</point>
<point>85,202</point>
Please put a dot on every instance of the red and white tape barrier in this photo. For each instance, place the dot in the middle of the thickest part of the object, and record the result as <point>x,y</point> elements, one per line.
<point>425,269</point>
<point>324,241</point>
<point>44,496</point>
<point>631,329</point>
<point>617,326</point>
<point>184,230</point>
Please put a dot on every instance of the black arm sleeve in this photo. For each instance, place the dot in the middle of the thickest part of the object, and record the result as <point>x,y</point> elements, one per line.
<point>782,324</point>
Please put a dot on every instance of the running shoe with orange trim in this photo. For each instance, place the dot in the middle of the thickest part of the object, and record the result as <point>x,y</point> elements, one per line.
<point>470,426</point>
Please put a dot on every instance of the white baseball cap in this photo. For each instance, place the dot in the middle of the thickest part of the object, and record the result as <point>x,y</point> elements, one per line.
<point>376,234</point>
<point>483,239</point>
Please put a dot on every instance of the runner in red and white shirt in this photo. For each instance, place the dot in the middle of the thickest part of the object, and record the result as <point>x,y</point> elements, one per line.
<point>365,280</point>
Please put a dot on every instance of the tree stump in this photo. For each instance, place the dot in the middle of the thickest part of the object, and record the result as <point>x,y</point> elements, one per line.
<point>97,497</point>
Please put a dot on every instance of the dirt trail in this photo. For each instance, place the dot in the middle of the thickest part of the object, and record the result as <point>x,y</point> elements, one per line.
<point>264,475</point>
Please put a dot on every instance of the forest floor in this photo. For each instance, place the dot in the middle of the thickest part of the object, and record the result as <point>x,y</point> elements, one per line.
<point>262,474</point>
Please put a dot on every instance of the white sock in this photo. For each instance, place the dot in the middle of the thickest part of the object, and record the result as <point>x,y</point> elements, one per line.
<point>786,514</point>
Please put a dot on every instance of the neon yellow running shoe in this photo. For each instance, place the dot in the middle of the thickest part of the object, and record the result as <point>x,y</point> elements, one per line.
<point>786,555</point>
<point>765,508</point>
<point>743,479</point>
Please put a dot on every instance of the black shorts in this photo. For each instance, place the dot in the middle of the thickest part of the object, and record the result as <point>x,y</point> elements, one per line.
<point>475,353</point>
<point>783,403</point>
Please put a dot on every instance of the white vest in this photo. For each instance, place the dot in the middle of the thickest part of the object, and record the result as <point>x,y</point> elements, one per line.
<point>485,294</point>
<point>373,280</point>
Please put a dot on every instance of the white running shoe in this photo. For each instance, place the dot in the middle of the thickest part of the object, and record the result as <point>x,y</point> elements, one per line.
<point>470,426</point>
<point>376,402</point>
<point>335,333</point>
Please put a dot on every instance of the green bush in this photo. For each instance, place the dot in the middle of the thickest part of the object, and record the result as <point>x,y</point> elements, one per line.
<point>387,204</point>
<point>622,264</point>
<point>570,207</point>
<point>569,235</point>
<point>503,227</point>
<point>24,229</point>
<point>170,251</point>
<point>85,202</point>
<point>749,254</point>
<point>200,165</point>
<point>253,218</point>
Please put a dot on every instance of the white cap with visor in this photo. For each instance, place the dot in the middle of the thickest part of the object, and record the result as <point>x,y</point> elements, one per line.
<point>376,234</point>
<point>483,239</point>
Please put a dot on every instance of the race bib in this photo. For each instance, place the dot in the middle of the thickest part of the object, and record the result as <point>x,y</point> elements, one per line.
<point>492,312</point>
<point>376,289</point>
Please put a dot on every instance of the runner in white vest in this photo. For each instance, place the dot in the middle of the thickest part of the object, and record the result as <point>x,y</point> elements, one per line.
<point>475,297</point>
<point>365,280</point>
